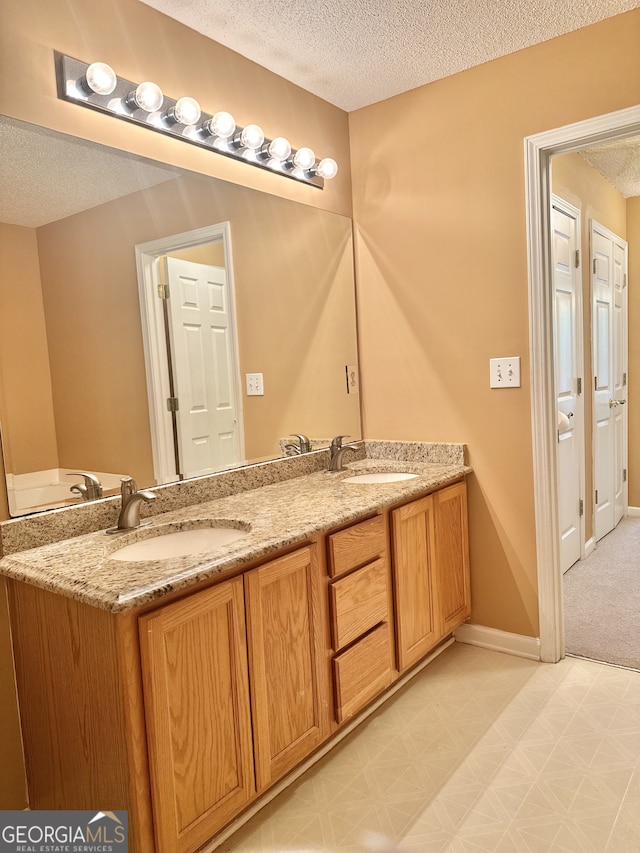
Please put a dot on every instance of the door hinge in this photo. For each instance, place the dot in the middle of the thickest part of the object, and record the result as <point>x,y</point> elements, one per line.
<point>581,507</point>
<point>624,280</point>
<point>624,475</point>
<point>577,258</point>
<point>624,378</point>
<point>163,291</point>
<point>172,404</point>
<point>579,385</point>
<point>595,383</point>
<point>596,497</point>
<point>595,265</point>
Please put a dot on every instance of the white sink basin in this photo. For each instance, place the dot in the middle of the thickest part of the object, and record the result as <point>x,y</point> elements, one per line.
<point>180,543</point>
<point>380,477</point>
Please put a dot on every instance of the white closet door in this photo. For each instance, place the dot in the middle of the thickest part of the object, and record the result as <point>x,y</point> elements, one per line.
<point>609,320</point>
<point>565,234</point>
<point>203,369</point>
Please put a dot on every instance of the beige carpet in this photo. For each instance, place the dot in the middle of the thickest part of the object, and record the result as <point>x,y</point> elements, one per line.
<point>602,599</point>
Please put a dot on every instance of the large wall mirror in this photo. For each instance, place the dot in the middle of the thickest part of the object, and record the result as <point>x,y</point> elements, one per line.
<point>90,235</point>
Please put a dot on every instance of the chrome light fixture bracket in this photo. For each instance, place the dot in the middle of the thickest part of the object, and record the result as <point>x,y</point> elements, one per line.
<point>72,86</point>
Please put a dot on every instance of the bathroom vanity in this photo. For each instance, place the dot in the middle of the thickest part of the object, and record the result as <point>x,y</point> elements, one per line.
<point>185,689</point>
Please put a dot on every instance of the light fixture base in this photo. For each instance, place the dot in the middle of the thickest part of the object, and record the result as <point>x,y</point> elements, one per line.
<point>70,76</point>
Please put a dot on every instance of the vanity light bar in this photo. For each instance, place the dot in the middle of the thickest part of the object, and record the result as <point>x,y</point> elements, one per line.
<point>97,86</point>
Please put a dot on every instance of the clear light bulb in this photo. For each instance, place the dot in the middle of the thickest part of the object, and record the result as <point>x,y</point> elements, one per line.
<point>327,168</point>
<point>279,149</point>
<point>304,158</point>
<point>186,111</point>
<point>148,97</point>
<point>222,125</point>
<point>101,78</point>
<point>251,137</point>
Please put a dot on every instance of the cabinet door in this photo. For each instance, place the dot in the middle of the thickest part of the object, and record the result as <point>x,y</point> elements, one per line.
<point>452,556</point>
<point>196,690</point>
<point>418,626</point>
<point>289,690</point>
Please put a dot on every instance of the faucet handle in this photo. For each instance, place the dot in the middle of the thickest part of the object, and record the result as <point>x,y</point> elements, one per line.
<point>128,486</point>
<point>336,443</point>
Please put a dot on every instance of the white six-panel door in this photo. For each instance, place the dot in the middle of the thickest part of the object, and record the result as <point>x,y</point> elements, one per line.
<point>202,347</point>
<point>566,280</point>
<point>609,323</point>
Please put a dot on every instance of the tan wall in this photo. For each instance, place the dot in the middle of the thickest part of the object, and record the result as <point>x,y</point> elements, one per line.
<point>293,273</point>
<point>26,410</point>
<point>633,236</point>
<point>574,180</point>
<point>438,177</point>
<point>141,44</point>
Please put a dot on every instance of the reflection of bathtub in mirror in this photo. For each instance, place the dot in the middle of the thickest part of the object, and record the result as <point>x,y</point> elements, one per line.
<point>51,489</point>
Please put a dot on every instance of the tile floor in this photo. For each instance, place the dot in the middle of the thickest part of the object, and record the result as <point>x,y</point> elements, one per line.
<point>480,752</point>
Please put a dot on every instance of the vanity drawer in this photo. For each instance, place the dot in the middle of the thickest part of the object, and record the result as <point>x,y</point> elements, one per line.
<point>359,602</point>
<point>355,546</point>
<point>361,672</point>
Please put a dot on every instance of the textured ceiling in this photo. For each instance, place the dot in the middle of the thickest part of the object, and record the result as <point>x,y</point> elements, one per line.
<point>357,52</point>
<point>47,176</point>
<point>619,162</point>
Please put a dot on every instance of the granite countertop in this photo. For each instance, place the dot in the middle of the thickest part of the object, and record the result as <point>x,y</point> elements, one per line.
<point>279,515</point>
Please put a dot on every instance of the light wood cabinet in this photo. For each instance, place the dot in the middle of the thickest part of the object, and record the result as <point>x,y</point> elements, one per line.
<point>185,710</point>
<point>452,556</point>
<point>360,608</point>
<point>418,623</point>
<point>289,689</point>
<point>359,602</point>
<point>361,672</point>
<point>196,690</point>
<point>430,571</point>
<point>356,545</point>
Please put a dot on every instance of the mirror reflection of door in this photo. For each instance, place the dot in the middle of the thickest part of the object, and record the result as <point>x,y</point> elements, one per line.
<point>187,308</point>
<point>201,343</point>
<point>566,281</point>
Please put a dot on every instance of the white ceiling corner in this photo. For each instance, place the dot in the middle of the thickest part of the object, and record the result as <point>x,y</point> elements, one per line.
<point>619,163</point>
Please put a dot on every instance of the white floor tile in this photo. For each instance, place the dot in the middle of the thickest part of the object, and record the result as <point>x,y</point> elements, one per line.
<point>481,753</point>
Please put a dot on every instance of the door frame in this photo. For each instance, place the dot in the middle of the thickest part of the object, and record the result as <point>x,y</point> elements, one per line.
<point>575,213</point>
<point>155,342</point>
<point>538,150</point>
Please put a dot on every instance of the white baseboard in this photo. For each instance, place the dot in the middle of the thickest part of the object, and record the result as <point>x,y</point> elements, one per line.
<point>589,547</point>
<point>498,641</point>
<point>634,511</point>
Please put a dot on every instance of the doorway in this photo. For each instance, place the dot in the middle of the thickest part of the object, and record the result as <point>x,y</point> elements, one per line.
<point>190,341</point>
<point>538,152</point>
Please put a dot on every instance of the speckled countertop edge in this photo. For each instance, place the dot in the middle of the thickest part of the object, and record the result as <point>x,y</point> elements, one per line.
<point>279,515</point>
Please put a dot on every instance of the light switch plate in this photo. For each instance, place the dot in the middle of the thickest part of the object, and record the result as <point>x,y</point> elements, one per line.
<point>255,385</point>
<point>504,372</point>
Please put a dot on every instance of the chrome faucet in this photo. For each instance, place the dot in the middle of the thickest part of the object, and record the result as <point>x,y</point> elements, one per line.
<point>90,489</point>
<point>303,447</point>
<point>129,517</point>
<point>337,451</point>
